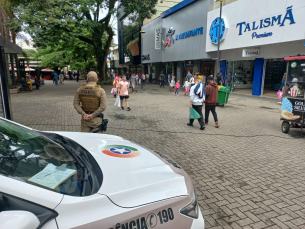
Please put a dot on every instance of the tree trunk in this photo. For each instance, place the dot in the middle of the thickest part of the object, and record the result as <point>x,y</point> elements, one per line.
<point>101,57</point>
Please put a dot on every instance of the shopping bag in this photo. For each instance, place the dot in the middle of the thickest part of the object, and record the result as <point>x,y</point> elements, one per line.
<point>279,95</point>
<point>117,102</point>
<point>194,114</point>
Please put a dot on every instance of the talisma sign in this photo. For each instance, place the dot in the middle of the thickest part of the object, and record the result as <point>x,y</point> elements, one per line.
<point>280,20</point>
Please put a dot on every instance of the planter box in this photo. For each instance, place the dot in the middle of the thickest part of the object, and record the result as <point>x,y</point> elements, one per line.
<point>134,49</point>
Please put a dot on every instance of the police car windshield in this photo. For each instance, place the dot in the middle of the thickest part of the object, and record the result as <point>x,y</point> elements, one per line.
<point>31,157</point>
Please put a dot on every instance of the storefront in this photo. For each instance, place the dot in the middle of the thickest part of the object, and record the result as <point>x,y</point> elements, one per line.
<point>174,43</point>
<point>254,44</point>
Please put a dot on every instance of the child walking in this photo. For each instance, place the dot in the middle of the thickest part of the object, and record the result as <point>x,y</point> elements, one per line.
<point>123,90</point>
<point>177,88</point>
<point>173,83</point>
<point>187,87</point>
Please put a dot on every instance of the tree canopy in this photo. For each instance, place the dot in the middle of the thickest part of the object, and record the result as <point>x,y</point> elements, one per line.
<point>54,22</point>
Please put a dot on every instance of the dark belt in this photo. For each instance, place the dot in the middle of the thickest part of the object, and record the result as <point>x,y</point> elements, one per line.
<point>89,112</point>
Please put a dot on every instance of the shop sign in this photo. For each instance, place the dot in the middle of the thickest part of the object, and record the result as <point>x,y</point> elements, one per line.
<point>214,30</point>
<point>189,63</point>
<point>158,34</point>
<point>265,23</point>
<point>127,59</point>
<point>190,33</point>
<point>146,57</point>
<point>169,37</point>
<point>250,52</point>
<point>293,64</point>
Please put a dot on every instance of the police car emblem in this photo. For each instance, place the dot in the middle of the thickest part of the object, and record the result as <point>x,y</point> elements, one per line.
<point>121,151</point>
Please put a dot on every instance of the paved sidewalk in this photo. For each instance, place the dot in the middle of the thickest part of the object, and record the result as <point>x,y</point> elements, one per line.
<point>247,173</point>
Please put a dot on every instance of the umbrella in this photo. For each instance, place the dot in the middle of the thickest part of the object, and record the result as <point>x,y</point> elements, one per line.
<point>47,70</point>
<point>28,69</point>
<point>15,69</point>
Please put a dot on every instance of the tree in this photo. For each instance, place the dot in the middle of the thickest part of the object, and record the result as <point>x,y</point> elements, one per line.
<point>75,53</point>
<point>58,20</point>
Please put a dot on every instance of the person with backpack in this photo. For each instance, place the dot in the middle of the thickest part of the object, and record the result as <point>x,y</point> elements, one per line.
<point>197,97</point>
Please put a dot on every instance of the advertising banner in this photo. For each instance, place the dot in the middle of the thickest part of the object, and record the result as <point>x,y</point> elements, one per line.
<point>293,109</point>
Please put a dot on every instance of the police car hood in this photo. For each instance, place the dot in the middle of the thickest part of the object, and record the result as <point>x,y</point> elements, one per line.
<point>133,175</point>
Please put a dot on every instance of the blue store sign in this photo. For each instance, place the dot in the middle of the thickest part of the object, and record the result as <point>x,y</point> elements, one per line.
<point>214,30</point>
<point>189,63</point>
<point>264,23</point>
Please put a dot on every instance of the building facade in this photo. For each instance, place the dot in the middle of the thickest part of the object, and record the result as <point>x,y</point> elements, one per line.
<point>256,36</point>
<point>176,41</point>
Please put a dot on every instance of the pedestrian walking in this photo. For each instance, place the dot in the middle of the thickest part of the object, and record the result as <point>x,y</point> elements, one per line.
<point>61,78</point>
<point>186,85</point>
<point>173,83</point>
<point>177,86</point>
<point>189,75</point>
<point>204,80</point>
<point>56,78</point>
<point>161,78</point>
<point>197,102</point>
<point>123,92</point>
<point>147,78</point>
<point>192,81</point>
<point>134,80</point>
<point>211,100</point>
<point>143,81</point>
<point>153,76</point>
<point>228,80</point>
<point>219,79</point>
<point>169,79</point>
<point>77,76</point>
<point>93,102</point>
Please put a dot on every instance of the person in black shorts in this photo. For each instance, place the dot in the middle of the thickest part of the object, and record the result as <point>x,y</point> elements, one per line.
<point>123,92</point>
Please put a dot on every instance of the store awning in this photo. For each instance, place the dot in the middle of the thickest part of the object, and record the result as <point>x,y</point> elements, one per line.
<point>27,69</point>
<point>290,58</point>
<point>10,68</point>
<point>9,47</point>
<point>47,70</point>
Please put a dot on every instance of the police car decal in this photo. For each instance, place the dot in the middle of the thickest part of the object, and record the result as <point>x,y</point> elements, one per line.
<point>150,221</point>
<point>121,151</point>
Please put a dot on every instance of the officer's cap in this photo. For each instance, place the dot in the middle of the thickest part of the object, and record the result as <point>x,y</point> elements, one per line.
<point>92,76</point>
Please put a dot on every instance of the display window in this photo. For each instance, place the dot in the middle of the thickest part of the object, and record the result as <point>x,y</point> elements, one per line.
<point>242,72</point>
<point>207,68</point>
<point>275,70</point>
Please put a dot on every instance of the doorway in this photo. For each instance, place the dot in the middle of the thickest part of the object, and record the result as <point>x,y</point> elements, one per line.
<point>207,68</point>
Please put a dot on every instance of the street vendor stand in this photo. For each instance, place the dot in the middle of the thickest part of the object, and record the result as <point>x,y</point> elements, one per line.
<point>293,102</point>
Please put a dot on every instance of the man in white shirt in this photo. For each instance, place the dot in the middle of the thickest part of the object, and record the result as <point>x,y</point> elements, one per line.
<point>197,103</point>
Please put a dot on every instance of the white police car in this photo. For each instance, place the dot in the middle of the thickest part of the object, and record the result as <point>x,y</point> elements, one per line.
<point>61,180</point>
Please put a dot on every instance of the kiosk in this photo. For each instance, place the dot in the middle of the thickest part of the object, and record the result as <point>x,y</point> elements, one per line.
<point>293,102</point>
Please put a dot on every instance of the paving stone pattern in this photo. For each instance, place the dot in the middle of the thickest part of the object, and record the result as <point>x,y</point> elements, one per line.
<point>247,173</point>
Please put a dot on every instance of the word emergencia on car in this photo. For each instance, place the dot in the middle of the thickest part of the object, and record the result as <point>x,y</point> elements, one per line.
<point>150,221</point>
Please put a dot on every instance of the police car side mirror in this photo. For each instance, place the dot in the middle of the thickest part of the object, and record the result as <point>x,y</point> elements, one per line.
<point>18,220</point>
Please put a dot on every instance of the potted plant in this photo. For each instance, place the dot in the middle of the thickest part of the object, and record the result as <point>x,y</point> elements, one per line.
<point>133,46</point>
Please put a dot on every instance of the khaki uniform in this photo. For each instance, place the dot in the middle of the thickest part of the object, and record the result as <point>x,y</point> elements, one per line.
<point>90,99</point>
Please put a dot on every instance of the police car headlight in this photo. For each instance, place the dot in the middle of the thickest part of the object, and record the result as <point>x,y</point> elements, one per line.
<point>191,210</point>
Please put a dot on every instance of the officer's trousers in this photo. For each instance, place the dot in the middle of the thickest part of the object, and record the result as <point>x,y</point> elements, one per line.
<point>91,125</point>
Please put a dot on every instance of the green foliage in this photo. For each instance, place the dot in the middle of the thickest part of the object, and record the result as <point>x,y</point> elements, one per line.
<point>51,22</point>
<point>75,53</point>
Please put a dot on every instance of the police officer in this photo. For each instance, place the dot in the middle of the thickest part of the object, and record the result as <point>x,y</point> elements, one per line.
<point>93,102</point>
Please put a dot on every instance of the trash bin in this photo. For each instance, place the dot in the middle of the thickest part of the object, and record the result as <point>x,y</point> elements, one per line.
<point>223,95</point>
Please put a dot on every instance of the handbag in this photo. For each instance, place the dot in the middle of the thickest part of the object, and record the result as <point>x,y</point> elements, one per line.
<point>117,102</point>
<point>194,114</point>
